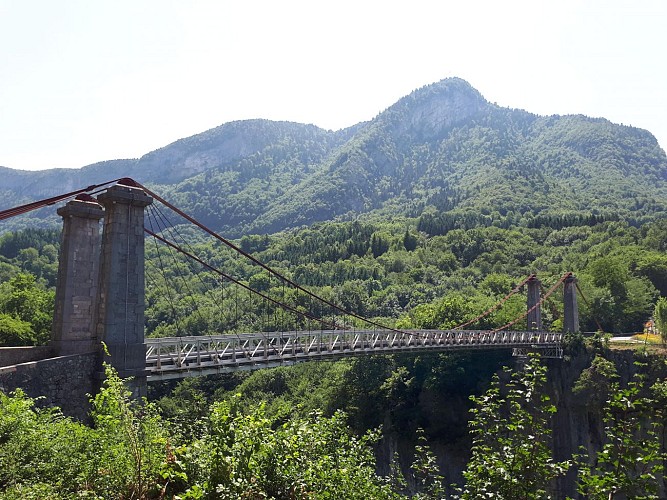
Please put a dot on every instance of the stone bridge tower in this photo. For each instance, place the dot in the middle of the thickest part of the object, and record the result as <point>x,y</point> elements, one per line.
<point>120,308</point>
<point>100,288</point>
<point>78,276</point>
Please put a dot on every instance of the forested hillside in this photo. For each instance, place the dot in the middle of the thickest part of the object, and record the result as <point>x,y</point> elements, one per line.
<point>443,153</point>
<point>420,218</point>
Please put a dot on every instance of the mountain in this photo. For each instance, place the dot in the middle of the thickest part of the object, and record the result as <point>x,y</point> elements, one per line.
<point>442,153</point>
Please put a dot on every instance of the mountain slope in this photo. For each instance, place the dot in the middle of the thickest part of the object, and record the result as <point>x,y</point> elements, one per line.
<point>445,147</point>
<point>443,150</point>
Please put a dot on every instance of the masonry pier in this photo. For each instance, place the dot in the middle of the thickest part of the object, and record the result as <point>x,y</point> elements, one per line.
<point>534,318</point>
<point>73,329</point>
<point>570,308</point>
<point>120,310</point>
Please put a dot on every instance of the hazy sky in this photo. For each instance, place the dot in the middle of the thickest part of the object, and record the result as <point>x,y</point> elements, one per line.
<point>83,81</point>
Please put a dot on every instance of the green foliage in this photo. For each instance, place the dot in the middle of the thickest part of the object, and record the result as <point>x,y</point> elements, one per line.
<point>132,439</point>
<point>660,317</point>
<point>410,241</point>
<point>132,453</point>
<point>431,484</point>
<point>15,332</point>
<point>511,454</point>
<point>243,456</point>
<point>26,311</point>
<point>33,251</point>
<point>42,452</point>
<point>379,244</point>
<point>596,382</point>
<point>620,302</point>
<point>629,462</point>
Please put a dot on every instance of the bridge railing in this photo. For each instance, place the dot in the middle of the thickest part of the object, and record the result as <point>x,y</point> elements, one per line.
<point>177,357</point>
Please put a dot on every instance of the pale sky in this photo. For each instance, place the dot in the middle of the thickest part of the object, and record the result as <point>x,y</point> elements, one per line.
<point>83,81</point>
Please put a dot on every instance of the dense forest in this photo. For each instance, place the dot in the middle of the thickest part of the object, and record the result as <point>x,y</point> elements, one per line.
<point>420,218</point>
<point>389,271</point>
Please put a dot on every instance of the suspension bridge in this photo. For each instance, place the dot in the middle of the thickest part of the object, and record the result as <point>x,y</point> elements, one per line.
<point>100,298</point>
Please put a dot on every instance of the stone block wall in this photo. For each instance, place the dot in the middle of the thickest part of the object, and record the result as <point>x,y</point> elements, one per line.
<point>16,355</point>
<point>64,381</point>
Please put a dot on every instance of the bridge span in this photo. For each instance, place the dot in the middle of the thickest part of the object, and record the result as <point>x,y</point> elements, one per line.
<point>181,357</point>
<point>100,298</point>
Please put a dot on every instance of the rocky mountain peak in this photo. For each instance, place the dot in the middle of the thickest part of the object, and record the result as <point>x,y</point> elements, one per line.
<point>428,112</point>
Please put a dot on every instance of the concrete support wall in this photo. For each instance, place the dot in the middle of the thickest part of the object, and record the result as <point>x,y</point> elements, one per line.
<point>534,318</point>
<point>120,317</point>
<point>76,287</point>
<point>570,307</point>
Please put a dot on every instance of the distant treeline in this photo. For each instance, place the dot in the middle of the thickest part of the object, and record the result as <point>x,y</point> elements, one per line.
<point>438,224</point>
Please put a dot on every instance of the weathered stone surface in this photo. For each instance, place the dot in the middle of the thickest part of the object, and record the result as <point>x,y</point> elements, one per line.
<point>120,307</point>
<point>15,355</point>
<point>63,381</point>
<point>76,285</point>
<point>534,318</point>
<point>570,307</point>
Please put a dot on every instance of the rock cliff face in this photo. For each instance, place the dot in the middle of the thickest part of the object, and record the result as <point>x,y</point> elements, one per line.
<point>224,146</point>
<point>428,113</point>
<point>576,426</point>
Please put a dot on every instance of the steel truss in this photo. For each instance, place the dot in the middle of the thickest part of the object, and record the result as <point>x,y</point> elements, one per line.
<point>555,351</point>
<point>180,357</point>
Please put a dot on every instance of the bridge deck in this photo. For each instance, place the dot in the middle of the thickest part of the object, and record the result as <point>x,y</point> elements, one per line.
<point>180,357</point>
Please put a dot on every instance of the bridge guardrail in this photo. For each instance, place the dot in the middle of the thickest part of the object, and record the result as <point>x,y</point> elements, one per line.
<point>178,357</point>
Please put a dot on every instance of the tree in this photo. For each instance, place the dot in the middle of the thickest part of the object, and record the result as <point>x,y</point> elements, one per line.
<point>511,455</point>
<point>595,383</point>
<point>379,243</point>
<point>426,473</point>
<point>15,332</point>
<point>132,441</point>
<point>24,300</point>
<point>409,241</point>
<point>660,317</point>
<point>629,462</point>
<point>46,455</point>
<point>245,455</point>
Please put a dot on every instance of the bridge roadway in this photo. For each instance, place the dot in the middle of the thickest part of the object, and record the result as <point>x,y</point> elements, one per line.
<point>180,357</point>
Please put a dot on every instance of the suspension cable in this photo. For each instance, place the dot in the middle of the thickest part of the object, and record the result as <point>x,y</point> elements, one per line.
<point>539,303</point>
<point>600,329</point>
<point>179,274</point>
<point>554,310</point>
<point>237,282</point>
<point>28,207</point>
<point>132,182</point>
<point>496,305</point>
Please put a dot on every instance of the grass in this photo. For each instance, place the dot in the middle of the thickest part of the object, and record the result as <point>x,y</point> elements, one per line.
<point>649,342</point>
<point>648,338</point>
